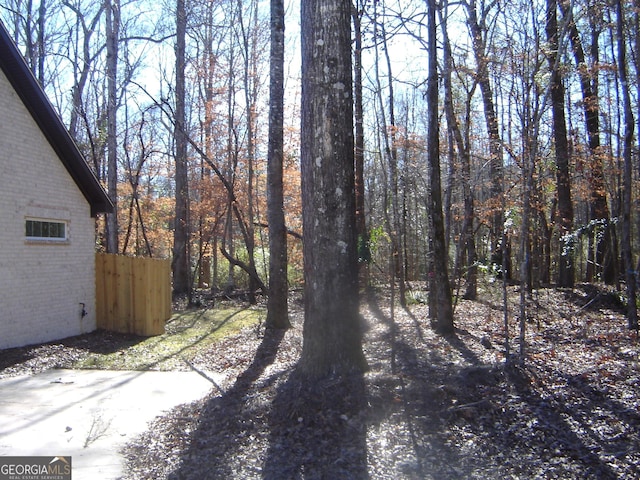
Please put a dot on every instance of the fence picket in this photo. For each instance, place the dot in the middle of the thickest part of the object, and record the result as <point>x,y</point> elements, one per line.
<point>133,295</point>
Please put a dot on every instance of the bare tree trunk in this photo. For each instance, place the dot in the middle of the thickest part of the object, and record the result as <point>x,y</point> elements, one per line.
<point>214,266</point>
<point>232,159</point>
<point>32,27</point>
<point>627,198</point>
<point>113,32</point>
<point>387,166</point>
<point>394,227</point>
<point>250,82</point>
<point>332,332</point>
<point>180,263</point>
<point>41,38</point>
<point>361,224</point>
<point>599,209</point>
<point>135,211</point>
<point>467,239</point>
<point>528,165</point>
<point>82,67</point>
<point>563,178</point>
<point>442,317</point>
<point>496,173</point>
<point>277,306</point>
<point>637,65</point>
<point>206,234</point>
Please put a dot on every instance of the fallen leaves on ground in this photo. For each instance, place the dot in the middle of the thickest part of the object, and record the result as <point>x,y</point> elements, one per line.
<point>429,407</point>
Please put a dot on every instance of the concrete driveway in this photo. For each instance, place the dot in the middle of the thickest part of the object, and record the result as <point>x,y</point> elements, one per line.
<point>89,414</point>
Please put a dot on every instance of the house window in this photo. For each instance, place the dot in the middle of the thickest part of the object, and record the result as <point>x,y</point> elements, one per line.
<point>46,230</point>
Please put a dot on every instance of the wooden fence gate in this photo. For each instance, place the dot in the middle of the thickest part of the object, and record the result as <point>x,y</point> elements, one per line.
<point>133,295</point>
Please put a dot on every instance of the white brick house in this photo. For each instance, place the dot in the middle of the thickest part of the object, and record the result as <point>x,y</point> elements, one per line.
<point>48,196</point>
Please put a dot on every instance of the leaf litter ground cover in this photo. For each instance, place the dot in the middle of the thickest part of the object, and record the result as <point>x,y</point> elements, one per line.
<point>429,407</point>
<point>188,333</point>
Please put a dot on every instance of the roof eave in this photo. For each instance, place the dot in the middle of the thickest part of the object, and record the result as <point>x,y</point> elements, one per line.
<point>44,114</point>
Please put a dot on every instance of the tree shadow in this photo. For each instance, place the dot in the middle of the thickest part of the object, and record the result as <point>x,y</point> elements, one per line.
<point>43,355</point>
<point>429,408</point>
<point>227,416</point>
<point>590,424</point>
<point>179,325</point>
<point>502,406</point>
<point>416,323</point>
<point>557,418</point>
<point>510,423</point>
<point>456,342</point>
<point>318,429</point>
<point>411,400</point>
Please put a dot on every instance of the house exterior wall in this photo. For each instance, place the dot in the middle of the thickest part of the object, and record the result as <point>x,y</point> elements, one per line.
<point>42,283</point>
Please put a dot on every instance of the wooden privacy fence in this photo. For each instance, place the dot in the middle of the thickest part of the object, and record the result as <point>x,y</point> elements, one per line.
<point>133,295</point>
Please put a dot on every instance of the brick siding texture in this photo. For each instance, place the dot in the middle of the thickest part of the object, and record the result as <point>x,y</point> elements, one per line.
<point>42,285</point>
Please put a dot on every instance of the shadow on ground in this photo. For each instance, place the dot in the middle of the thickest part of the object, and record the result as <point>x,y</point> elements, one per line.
<point>318,431</point>
<point>430,407</point>
<point>63,353</point>
<point>227,424</point>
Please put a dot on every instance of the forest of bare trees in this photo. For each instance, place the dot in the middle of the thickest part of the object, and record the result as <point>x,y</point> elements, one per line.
<point>490,138</point>
<point>427,210</point>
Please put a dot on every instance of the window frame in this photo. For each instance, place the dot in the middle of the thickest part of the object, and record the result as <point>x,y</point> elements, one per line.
<point>46,223</point>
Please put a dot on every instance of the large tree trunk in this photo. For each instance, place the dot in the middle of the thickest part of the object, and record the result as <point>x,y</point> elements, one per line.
<point>180,263</point>
<point>442,317</point>
<point>332,332</point>
<point>277,307</point>
<point>563,180</point>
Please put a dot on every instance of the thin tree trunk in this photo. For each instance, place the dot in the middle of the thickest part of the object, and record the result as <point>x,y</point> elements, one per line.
<point>467,240</point>
<point>451,176</point>
<point>637,65</point>
<point>528,162</point>
<point>206,234</point>
<point>250,98</point>
<point>277,306</point>
<point>113,33</point>
<point>214,266</point>
<point>563,179</point>
<point>496,173</point>
<point>232,160</point>
<point>361,224</point>
<point>390,154</point>
<point>599,209</point>
<point>442,317</point>
<point>627,198</point>
<point>82,67</point>
<point>41,38</point>
<point>180,262</point>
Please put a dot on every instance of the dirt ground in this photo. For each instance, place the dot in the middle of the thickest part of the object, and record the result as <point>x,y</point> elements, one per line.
<point>429,407</point>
